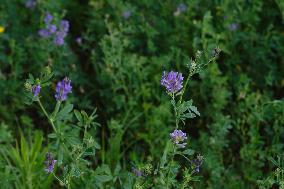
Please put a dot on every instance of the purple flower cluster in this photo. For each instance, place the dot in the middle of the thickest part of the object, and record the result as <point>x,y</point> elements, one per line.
<point>30,4</point>
<point>196,163</point>
<point>36,90</point>
<point>63,88</point>
<point>51,30</point>
<point>49,163</point>
<point>178,137</point>
<point>172,81</point>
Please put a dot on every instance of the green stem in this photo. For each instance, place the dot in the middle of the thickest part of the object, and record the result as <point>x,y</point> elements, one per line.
<point>57,106</point>
<point>176,113</point>
<point>103,144</point>
<point>184,87</point>
<point>46,114</point>
<point>61,182</point>
<point>170,165</point>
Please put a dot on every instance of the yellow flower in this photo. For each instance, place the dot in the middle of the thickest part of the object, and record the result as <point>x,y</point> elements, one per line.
<point>2,29</point>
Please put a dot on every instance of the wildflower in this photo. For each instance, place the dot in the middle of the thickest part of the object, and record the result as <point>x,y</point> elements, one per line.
<point>49,162</point>
<point>60,35</point>
<point>44,33</point>
<point>63,88</point>
<point>36,90</point>
<point>233,26</point>
<point>178,137</point>
<point>79,40</point>
<point>48,18</point>
<point>172,81</point>
<point>59,38</point>
<point>64,26</point>
<point>181,7</point>
<point>52,28</point>
<point>2,29</point>
<point>196,163</point>
<point>30,4</point>
<point>126,14</point>
<point>137,172</point>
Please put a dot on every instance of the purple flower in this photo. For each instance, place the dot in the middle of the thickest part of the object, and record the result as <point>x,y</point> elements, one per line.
<point>79,40</point>
<point>49,163</point>
<point>59,38</point>
<point>233,26</point>
<point>44,33</point>
<point>63,88</point>
<point>196,163</point>
<point>181,7</point>
<point>178,137</point>
<point>36,90</point>
<point>137,172</point>
<point>48,17</point>
<point>172,81</point>
<point>30,4</point>
<point>64,26</point>
<point>52,28</point>
<point>126,14</point>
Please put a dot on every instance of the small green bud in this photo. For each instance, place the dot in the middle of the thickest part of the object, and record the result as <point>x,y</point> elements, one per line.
<point>28,86</point>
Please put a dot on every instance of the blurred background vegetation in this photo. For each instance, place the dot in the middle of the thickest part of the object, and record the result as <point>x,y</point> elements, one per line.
<point>117,66</point>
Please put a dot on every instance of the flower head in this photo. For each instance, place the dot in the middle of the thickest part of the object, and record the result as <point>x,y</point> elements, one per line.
<point>233,26</point>
<point>126,14</point>
<point>196,163</point>
<point>44,33</point>
<point>36,90</point>
<point>172,81</point>
<point>49,162</point>
<point>2,29</point>
<point>64,25</point>
<point>181,7</point>
<point>63,88</point>
<point>79,40</point>
<point>30,4</point>
<point>52,28</point>
<point>48,18</point>
<point>59,38</point>
<point>178,137</point>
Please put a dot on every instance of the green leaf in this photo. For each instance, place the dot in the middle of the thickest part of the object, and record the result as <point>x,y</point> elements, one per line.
<point>194,109</point>
<point>103,178</point>
<point>63,114</point>
<point>52,135</point>
<point>78,115</point>
<point>188,152</point>
<point>97,145</point>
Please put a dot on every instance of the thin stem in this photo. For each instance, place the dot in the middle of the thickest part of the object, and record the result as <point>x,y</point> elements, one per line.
<point>42,108</point>
<point>170,165</point>
<point>176,113</point>
<point>57,106</point>
<point>61,182</point>
<point>103,144</point>
<point>46,114</point>
<point>184,87</point>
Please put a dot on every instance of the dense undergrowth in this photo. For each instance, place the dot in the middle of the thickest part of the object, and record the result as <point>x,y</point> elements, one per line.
<point>113,130</point>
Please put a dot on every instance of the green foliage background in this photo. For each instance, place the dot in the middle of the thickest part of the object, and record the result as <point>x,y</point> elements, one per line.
<point>117,69</point>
